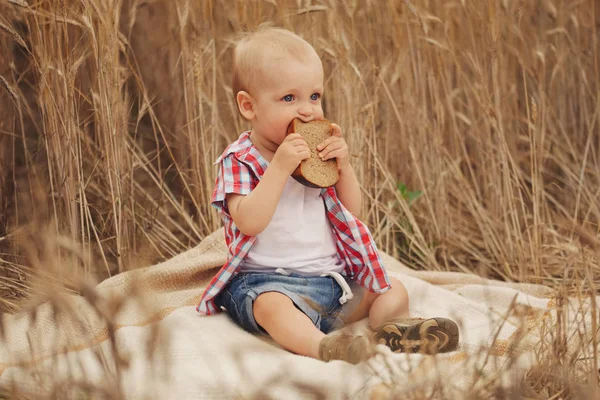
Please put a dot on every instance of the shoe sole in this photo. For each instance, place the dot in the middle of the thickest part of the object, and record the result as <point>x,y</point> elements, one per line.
<point>432,336</point>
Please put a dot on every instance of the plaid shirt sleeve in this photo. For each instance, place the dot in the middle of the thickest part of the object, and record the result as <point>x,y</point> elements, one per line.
<point>234,177</point>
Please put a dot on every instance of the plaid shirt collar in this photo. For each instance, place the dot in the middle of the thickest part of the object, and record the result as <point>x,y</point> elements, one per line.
<point>245,151</point>
<point>355,244</point>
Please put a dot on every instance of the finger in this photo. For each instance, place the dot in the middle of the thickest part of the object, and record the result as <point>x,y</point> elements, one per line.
<point>333,150</point>
<point>293,136</point>
<point>327,142</point>
<point>335,154</point>
<point>334,146</point>
<point>304,154</point>
<point>301,146</point>
<point>298,141</point>
<point>337,130</point>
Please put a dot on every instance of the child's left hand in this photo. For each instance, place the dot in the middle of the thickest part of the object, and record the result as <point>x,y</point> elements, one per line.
<point>335,147</point>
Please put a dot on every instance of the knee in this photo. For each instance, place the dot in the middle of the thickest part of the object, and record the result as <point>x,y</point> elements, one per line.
<point>265,304</point>
<point>400,293</point>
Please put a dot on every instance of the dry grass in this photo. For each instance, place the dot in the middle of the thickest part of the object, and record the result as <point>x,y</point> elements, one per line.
<point>112,112</point>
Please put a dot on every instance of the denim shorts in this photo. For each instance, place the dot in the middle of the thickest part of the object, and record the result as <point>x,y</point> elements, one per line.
<point>317,297</point>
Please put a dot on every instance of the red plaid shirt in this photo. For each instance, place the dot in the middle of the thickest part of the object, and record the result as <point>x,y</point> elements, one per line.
<point>241,168</point>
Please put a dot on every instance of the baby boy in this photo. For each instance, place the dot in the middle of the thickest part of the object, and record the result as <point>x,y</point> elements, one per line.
<point>295,252</point>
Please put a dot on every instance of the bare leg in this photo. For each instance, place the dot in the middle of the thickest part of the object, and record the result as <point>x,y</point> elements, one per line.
<point>389,305</point>
<point>382,307</point>
<point>432,336</point>
<point>287,325</point>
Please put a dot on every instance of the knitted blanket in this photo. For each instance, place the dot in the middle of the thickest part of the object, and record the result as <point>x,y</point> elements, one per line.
<point>137,334</point>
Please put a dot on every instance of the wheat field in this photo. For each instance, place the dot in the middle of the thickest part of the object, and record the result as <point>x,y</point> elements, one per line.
<point>473,128</point>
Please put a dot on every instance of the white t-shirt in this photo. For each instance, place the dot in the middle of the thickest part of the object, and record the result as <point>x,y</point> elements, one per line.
<point>299,237</point>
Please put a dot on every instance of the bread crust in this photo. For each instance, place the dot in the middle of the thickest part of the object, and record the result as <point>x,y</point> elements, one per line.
<point>300,175</point>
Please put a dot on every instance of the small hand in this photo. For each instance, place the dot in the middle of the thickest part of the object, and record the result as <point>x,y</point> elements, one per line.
<point>335,147</point>
<point>290,153</point>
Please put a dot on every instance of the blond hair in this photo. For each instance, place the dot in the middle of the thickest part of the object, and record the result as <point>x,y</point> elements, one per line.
<point>249,53</point>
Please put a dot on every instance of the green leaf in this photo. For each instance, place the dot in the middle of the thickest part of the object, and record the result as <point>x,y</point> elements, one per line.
<point>413,196</point>
<point>402,188</point>
<point>409,196</point>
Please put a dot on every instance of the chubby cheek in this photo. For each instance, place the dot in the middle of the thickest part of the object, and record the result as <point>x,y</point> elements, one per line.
<point>319,113</point>
<point>278,132</point>
<point>279,129</point>
<point>283,122</point>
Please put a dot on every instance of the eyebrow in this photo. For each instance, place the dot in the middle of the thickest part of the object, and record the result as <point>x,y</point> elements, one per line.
<point>295,90</point>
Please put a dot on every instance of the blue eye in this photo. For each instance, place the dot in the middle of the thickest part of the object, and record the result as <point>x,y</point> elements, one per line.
<point>315,96</point>
<point>288,98</point>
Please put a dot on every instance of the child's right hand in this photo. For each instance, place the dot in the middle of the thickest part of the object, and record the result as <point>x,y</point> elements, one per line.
<point>290,153</point>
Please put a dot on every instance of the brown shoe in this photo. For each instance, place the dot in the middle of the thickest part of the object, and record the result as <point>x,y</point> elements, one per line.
<point>352,349</point>
<point>418,335</point>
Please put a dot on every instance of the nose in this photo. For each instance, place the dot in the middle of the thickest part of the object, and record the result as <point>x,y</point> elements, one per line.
<point>305,111</point>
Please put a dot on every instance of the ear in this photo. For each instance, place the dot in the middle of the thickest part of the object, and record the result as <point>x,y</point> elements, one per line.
<point>245,104</point>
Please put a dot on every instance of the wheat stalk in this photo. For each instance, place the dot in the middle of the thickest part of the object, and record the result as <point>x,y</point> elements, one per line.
<point>20,3</point>
<point>12,33</point>
<point>11,91</point>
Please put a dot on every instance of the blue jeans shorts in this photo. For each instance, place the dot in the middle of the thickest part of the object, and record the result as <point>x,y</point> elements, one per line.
<point>316,296</point>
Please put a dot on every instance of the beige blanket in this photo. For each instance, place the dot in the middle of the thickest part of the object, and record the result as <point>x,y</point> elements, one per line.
<point>159,347</point>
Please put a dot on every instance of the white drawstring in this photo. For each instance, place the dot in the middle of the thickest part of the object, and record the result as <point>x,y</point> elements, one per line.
<point>347,292</point>
<point>282,272</point>
<point>347,295</point>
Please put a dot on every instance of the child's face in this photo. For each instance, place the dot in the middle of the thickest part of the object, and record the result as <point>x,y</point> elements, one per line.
<point>290,88</point>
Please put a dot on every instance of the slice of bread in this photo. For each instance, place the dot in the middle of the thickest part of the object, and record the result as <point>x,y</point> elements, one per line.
<point>314,172</point>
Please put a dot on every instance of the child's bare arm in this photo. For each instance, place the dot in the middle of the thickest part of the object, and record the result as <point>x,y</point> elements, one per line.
<point>253,212</point>
<point>348,190</point>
